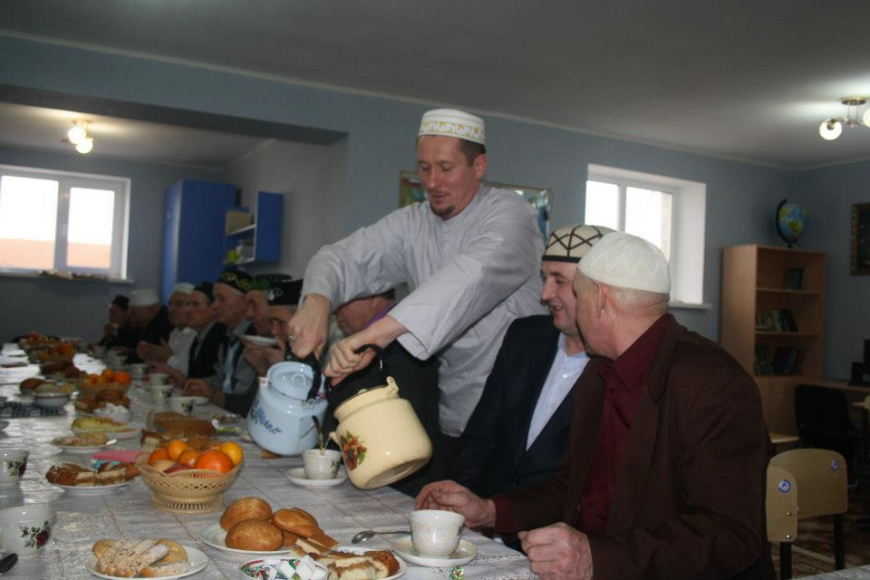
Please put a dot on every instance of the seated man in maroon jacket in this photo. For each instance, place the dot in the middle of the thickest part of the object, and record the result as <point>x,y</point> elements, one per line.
<point>664,476</point>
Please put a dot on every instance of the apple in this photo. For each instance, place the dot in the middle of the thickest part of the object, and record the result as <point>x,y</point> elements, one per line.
<point>163,464</point>
<point>176,468</point>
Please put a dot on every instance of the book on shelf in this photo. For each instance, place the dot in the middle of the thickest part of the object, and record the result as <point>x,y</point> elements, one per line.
<point>776,320</point>
<point>762,360</point>
<point>785,360</point>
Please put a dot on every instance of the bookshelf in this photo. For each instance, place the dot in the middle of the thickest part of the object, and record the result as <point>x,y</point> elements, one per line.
<point>759,285</point>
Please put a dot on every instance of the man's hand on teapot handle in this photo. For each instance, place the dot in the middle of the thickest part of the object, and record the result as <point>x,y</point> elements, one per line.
<point>343,356</point>
<point>306,331</point>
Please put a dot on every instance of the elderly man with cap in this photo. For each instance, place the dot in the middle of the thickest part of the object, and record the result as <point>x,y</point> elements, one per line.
<point>518,433</point>
<point>261,356</point>
<point>665,474</point>
<point>469,255</point>
<point>119,332</point>
<point>150,317</point>
<point>176,350</point>
<point>233,375</point>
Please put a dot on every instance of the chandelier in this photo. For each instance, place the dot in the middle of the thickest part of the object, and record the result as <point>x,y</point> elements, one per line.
<point>79,138</point>
<point>832,128</point>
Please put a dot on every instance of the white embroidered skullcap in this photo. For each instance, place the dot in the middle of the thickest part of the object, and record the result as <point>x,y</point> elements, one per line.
<point>145,297</point>
<point>453,123</point>
<point>183,287</point>
<point>627,261</point>
<point>570,243</point>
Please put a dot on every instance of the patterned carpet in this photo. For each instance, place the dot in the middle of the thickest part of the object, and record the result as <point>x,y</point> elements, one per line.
<point>813,552</point>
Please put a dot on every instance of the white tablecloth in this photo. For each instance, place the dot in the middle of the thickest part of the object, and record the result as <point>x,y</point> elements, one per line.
<point>341,511</point>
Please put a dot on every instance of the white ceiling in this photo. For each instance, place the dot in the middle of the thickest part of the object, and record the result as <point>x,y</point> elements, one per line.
<point>739,78</point>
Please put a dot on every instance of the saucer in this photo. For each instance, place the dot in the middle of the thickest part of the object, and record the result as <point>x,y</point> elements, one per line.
<point>464,553</point>
<point>297,476</point>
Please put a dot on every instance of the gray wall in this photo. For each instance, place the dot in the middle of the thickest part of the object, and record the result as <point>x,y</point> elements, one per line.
<point>78,308</point>
<point>740,196</point>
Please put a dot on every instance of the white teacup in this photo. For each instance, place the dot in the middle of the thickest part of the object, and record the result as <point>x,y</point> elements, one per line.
<point>158,378</point>
<point>139,370</point>
<point>25,529</point>
<point>13,462</point>
<point>160,394</point>
<point>435,533</point>
<point>183,405</point>
<point>321,465</point>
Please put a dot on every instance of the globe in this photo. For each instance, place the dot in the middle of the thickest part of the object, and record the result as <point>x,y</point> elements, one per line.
<point>790,220</point>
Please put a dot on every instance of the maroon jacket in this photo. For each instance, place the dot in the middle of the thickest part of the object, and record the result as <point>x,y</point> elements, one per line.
<point>689,495</point>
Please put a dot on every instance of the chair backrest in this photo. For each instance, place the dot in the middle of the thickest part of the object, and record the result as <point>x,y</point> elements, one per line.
<point>822,479</point>
<point>782,505</point>
<point>819,409</point>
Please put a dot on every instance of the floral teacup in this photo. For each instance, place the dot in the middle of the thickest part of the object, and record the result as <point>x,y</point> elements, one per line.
<point>25,529</point>
<point>13,463</point>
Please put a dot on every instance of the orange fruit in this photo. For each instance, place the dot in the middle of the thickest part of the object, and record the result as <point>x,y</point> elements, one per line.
<point>108,373</point>
<point>188,457</point>
<point>175,448</point>
<point>234,450</point>
<point>216,460</point>
<point>157,455</point>
<point>122,378</point>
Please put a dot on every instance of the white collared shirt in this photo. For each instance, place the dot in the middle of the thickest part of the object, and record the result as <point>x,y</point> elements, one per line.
<point>563,374</point>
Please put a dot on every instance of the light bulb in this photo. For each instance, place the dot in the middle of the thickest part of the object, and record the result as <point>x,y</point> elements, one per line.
<point>77,134</point>
<point>85,146</point>
<point>830,129</point>
<point>866,117</point>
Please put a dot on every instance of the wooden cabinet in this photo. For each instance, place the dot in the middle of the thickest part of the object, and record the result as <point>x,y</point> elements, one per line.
<point>194,213</point>
<point>756,306</point>
<point>257,234</point>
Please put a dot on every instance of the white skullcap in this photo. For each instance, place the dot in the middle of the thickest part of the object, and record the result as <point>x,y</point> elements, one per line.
<point>571,243</point>
<point>145,297</point>
<point>627,261</point>
<point>453,123</point>
<point>183,287</point>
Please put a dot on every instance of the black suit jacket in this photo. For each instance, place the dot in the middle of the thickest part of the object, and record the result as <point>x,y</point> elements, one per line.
<point>202,365</point>
<point>492,454</point>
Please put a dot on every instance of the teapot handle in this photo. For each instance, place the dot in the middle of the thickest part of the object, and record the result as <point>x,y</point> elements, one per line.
<point>311,361</point>
<point>379,353</point>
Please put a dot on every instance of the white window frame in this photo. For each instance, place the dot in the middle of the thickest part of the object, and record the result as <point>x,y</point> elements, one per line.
<point>120,219</point>
<point>688,226</point>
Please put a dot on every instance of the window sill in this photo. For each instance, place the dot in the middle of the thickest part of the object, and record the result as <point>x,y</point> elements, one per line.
<point>63,278</point>
<point>689,306</point>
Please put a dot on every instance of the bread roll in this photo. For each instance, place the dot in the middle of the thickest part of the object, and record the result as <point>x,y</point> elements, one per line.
<point>177,553</point>
<point>246,508</point>
<point>296,521</point>
<point>30,384</point>
<point>289,538</point>
<point>259,535</point>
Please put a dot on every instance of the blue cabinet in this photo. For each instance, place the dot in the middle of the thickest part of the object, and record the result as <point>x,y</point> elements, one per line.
<point>194,214</point>
<point>257,234</point>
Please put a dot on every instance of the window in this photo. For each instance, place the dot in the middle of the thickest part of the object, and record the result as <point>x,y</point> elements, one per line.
<point>667,212</point>
<point>53,220</point>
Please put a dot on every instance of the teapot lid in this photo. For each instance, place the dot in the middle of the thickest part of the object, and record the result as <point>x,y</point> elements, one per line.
<point>291,379</point>
<point>366,397</point>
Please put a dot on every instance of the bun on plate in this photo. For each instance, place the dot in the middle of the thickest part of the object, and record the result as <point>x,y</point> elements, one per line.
<point>246,508</point>
<point>258,535</point>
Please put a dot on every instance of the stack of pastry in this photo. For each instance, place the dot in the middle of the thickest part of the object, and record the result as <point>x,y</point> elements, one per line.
<point>252,525</point>
<point>140,558</point>
<point>83,440</point>
<point>109,473</point>
<point>99,424</point>
<point>101,398</point>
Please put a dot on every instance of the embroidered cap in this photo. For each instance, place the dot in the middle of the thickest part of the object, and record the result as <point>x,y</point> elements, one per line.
<point>235,279</point>
<point>267,281</point>
<point>453,123</point>
<point>285,293</point>
<point>145,297</point>
<point>626,261</point>
<point>570,243</point>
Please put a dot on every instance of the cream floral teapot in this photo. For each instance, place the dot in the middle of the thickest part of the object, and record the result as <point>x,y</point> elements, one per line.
<point>380,436</point>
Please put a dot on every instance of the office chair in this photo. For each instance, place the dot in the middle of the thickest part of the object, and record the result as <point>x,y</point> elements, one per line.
<point>781,505</point>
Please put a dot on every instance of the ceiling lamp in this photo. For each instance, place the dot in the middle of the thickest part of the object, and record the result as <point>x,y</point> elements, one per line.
<point>78,137</point>
<point>832,128</point>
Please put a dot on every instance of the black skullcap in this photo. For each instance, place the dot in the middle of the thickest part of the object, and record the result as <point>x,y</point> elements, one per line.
<point>268,281</point>
<point>236,278</point>
<point>206,288</point>
<point>121,301</point>
<point>285,293</point>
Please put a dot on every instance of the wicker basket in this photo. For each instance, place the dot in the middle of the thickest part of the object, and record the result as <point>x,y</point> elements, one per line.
<point>190,491</point>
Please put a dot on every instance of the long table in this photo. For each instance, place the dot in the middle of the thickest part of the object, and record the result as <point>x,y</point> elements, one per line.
<point>341,511</point>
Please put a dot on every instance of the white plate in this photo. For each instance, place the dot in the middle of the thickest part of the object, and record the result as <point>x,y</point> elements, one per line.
<point>88,490</point>
<point>133,432</point>
<point>357,550</point>
<point>86,449</point>
<point>297,476</point>
<point>260,340</point>
<point>215,536</point>
<point>465,553</point>
<point>196,559</point>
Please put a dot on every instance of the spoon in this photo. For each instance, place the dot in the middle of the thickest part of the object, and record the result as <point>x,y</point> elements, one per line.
<point>366,535</point>
<point>319,432</point>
